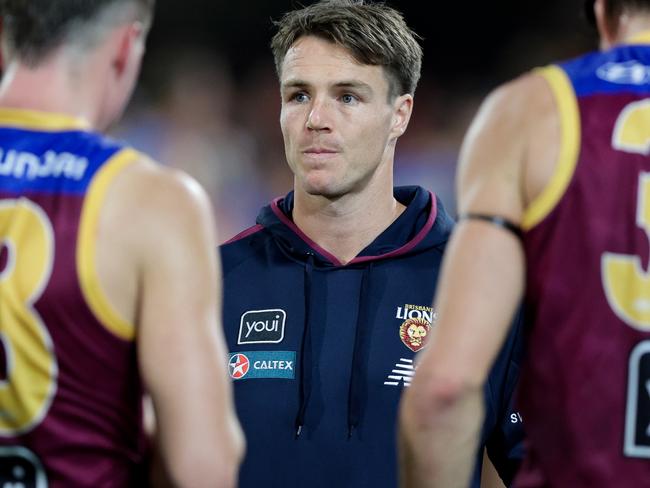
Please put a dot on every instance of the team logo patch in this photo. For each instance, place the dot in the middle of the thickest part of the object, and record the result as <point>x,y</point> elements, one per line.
<point>262,364</point>
<point>415,329</point>
<point>414,333</point>
<point>262,327</point>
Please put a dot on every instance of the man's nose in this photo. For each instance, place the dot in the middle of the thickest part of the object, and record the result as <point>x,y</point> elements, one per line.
<point>318,117</point>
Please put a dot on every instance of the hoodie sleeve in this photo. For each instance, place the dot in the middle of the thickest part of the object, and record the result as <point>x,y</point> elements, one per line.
<point>505,442</point>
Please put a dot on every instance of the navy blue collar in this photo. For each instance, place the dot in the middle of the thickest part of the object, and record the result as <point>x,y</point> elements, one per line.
<point>411,230</point>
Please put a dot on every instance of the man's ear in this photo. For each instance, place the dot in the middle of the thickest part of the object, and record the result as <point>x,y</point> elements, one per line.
<point>402,109</point>
<point>127,41</point>
<point>607,27</point>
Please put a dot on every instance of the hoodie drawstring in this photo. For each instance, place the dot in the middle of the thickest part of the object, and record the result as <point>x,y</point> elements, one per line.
<point>359,353</point>
<point>305,351</point>
<point>358,374</point>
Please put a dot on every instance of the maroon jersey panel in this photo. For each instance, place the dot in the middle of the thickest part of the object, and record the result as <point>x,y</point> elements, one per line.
<point>87,431</point>
<point>585,387</point>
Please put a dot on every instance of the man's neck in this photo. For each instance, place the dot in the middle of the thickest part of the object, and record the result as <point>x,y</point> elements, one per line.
<point>47,88</point>
<point>627,29</point>
<point>635,26</point>
<point>347,225</point>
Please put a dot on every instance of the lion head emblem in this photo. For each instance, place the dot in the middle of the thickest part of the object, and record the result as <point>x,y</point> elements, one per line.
<point>414,333</point>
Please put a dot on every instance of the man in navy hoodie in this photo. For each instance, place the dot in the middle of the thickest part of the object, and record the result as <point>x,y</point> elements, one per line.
<point>327,299</point>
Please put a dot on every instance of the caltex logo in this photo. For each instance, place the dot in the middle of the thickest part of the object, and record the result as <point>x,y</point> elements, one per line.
<point>238,366</point>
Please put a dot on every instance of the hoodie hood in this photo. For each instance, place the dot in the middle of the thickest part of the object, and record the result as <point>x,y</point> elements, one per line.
<point>408,234</point>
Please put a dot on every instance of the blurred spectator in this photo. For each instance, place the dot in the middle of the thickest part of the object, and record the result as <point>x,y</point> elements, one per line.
<point>190,126</point>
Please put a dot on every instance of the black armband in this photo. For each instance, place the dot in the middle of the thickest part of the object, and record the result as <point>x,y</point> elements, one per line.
<point>496,220</point>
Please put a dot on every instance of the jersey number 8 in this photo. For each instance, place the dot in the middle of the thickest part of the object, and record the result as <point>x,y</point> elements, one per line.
<point>30,370</point>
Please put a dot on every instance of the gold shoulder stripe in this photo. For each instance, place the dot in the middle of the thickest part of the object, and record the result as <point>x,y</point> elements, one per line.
<point>45,121</point>
<point>642,38</point>
<point>569,147</point>
<point>88,278</point>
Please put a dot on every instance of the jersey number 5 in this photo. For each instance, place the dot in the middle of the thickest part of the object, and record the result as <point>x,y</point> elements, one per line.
<point>627,285</point>
<point>28,377</point>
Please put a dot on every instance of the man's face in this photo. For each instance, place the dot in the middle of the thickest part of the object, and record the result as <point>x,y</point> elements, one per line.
<point>337,122</point>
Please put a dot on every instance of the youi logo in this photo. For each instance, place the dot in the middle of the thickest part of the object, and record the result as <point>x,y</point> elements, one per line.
<point>262,327</point>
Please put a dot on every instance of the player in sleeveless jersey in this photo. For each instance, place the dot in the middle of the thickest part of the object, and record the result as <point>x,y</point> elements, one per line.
<point>100,250</point>
<point>555,192</point>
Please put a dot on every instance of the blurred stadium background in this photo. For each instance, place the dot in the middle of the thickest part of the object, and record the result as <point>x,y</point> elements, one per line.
<point>208,99</point>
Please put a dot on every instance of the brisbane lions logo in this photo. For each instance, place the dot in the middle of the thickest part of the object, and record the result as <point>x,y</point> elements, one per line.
<point>414,333</point>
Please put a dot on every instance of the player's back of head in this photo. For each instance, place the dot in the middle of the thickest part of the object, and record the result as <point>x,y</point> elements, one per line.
<point>33,28</point>
<point>374,33</point>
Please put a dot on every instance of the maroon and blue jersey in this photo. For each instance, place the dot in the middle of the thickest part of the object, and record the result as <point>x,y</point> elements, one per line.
<point>70,393</point>
<point>585,388</point>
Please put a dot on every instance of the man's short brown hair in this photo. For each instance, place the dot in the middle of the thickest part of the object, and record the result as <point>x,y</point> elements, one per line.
<point>374,33</point>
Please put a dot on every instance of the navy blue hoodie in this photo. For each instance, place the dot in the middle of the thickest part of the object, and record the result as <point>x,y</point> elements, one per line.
<point>320,352</point>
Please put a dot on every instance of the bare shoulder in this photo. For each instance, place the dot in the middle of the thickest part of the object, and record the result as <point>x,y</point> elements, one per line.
<point>499,143</point>
<point>155,223</point>
<point>157,188</point>
<point>155,199</point>
<point>540,127</point>
<point>521,100</point>
<point>152,212</point>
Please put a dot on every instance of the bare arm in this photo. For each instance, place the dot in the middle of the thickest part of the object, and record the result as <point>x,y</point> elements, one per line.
<point>170,241</point>
<point>182,351</point>
<point>482,281</point>
<point>489,476</point>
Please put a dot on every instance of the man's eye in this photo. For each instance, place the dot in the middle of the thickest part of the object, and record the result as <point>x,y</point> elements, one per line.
<point>299,97</point>
<point>347,98</point>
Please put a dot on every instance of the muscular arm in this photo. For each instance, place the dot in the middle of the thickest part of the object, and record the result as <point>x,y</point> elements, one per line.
<point>171,245</point>
<point>481,283</point>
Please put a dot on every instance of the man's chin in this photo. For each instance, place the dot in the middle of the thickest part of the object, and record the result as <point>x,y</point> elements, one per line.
<point>331,192</point>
